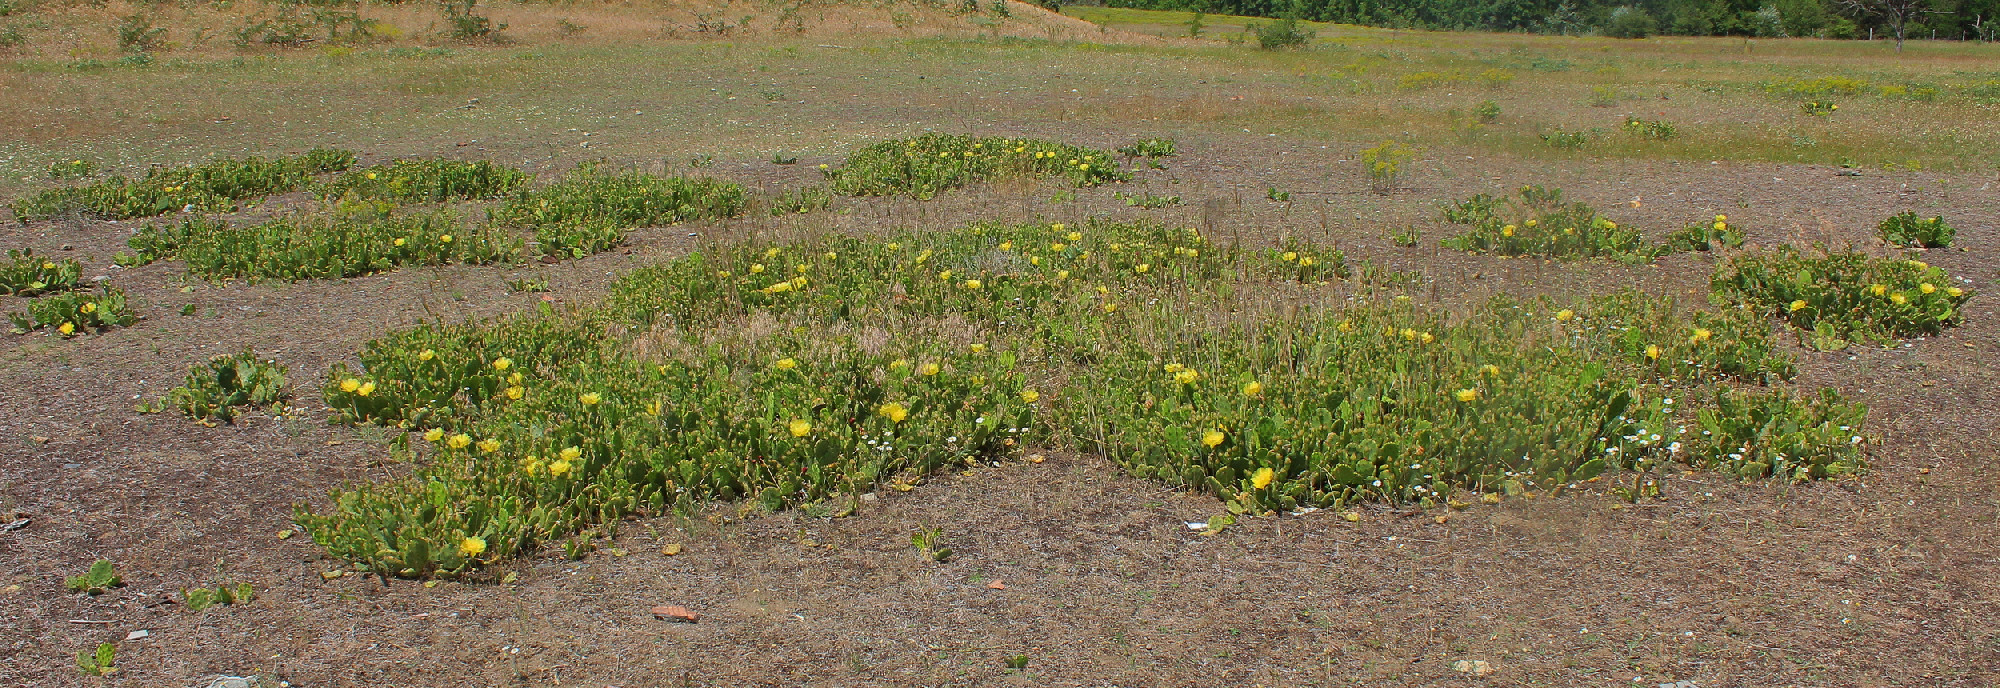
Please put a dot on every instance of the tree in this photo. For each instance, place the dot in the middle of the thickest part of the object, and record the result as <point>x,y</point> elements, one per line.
<point>1896,13</point>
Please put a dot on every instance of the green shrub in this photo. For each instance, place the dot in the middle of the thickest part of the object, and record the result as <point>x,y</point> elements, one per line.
<point>1908,229</point>
<point>923,166</point>
<point>64,170</point>
<point>136,34</point>
<point>209,187</point>
<point>1487,112</point>
<point>1387,164</point>
<point>212,390</point>
<point>26,275</point>
<point>323,246</point>
<point>1282,34</point>
<point>463,22</point>
<point>74,312</point>
<point>427,181</point>
<point>796,201</point>
<point>1658,130</point>
<point>1541,224</point>
<point>101,577</point>
<point>1844,296</point>
<point>1568,140</point>
<point>1150,148</point>
<point>1630,22</point>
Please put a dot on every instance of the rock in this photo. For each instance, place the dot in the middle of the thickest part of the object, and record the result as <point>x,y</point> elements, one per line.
<point>1679,684</point>
<point>671,549</point>
<point>1475,667</point>
<point>997,585</point>
<point>138,634</point>
<point>676,614</point>
<point>236,682</point>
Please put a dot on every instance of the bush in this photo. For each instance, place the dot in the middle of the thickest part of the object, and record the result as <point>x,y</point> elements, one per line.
<point>1844,296</point>
<point>1541,224</point>
<point>462,22</point>
<point>1630,22</point>
<point>26,275</point>
<point>74,312</point>
<point>1704,236</point>
<point>1908,229</point>
<point>1282,34</point>
<point>589,210</point>
<point>428,181</point>
<point>136,34</point>
<point>1386,165</point>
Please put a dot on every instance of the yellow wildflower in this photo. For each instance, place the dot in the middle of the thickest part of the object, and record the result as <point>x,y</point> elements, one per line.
<point>945,275</point>
<point>426,355</point>
<point>977,348</point>
<point>1306,262</point>
<point>973,284</point>
<point>1290,256</point>
<point>1898,298</point>
<point>756,268</point>
<point>570,454</point>
<point>1253,388</point>
<point>1073,236</point>
<point>559,468</point>
<point>444,238</point>
<point>1797,306</point>
<point>1467,394</point>
<point>1062,274</point>
<point>1954,292</point>
<point>1186,377</point>
<point>899,364</point>
<point>471,547</point>
<point>489,445</point>
<point>90,307</point>
<point>1653,351</point>
<point>1212,438</point>
<point>1926,288</point>
<point>1878,289</point>
<point>1507,231</point>
<point>433,435</point>
<point>1110,308</point>
<point>1700,335</point>
<point>894,412</point>
<point>459,441</point>
<point>800,428</point>
<point>1173,367</point>
<point>365,389</point>
<point>589,398</point>
<point>516,392</point>
<point>502,363</point>
<point>1030,396</point>
<point>928,369</point>
<point>786,364</point>
<point>1263,477</point>
<point>349,385</point>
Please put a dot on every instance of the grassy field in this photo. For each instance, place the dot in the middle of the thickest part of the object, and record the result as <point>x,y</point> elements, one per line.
<point>914,344</point>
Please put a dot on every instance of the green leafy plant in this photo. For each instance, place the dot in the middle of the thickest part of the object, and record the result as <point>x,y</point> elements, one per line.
<point>1657,130</point>
<point>1818,108</point>
<point>427,181</point>
<point>199,599</point>
<point>1407,236</point>
<point>1909,229</point>
<point>1568,140</point>
<point>1274,194</point>
<point>98,662</point>
<point>65,170</point>
<point>213,390</point>
<point>528,285</point>
<point>137,34</point>
<point>1282,34</point>
<point>362,240</point>
<point>463,22</point>
<point>101,577</point>
<point>1147,200</point>
<point>1540,223</point>
<point>1704,236</point>
<point>923,166</point>
<point>1150,148</point>
<point>805,200</point>
<point>75,312</point>
<point>1387,165</point>
<point>1844,296</point>
<point>929,543</point>
<point>1487,112</point>
<point>590,210</point>
<point>782,159</point>
<point>209,187</point>
<point>25,274</point>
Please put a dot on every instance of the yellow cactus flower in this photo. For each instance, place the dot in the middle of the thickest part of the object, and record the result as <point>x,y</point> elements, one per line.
<point>1212,438</point>
<point>489,445</point>
<point>1290,256</point>
<point>90,307</point>
<point>570,454</point>
<point>1058,246</point>
<point>1110,308</point>
<point>1926,288</point>
<point>1006,245</point>
<point>1062,274</point>
<point>1507,231</point>
<point>433,435</point>
<point>1878,289</point>
<point>589,398</point>
<point>1073,236</point>
<point>1701,334</point>
<point>1253,388</point>
<point>1425,337</point>
<point>928,369</point>
<point>1954,292</point>
<point>516,392</point>
<point>1722,218</point>
<point>1653,351</point>
<point>560,468</point>
<point>1307,261</point>
<point>400,241</point>
<point>349,385</point>
<point>1263,477</point>
<point>800,428</point>
<point>426,355</point>
<point>365,389</point>
<point>531,465</point>
<point>786,364</point>
<point>1720,226</point>
<point>444,238</point>
<point>502,363</point>
<point>1173,367</point>
<point>1797,306</point>
<point>459,441</point>
<point>756,268</point>
<point>1142,268</point>
<point>899,364</point>
<point>973,284</point>
<point>1186,377</point>
<point>977,348</point>
<point>472,546</point>
<point>1565,315</point>
<point>1898,298</point>
<point>944,276</point>
<point>894,412</point>
<point>1467,394</point>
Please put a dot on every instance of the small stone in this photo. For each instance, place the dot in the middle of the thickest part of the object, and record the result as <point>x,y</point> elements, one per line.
<point>135,635</point>
<point>671,549</point>
<point>676,614</point>
<point>997,585</point>
<point>1352,516</point>
<point>330,575</point>
<point>1475,667</point>
<point>1441,518</point>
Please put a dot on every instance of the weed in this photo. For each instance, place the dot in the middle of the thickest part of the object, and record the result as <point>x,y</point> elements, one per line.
<point>1541,224</point>
<point>210,187</point>
<point>1842,296</point>
<point>1407,236</point>
<point>1495,78</point>
<point>199,599</point>
<point>1568,140</point>
<point>1487,112</point>
<point>1417,81</point>
<point>1274,194</point>
<point>101,577</point>
<point>212,390</point>
<point>782,159</point>
<point>26,275</point>
<point>1657,130</point>
<point>11,37</point>
<point>1386,165</point>
<point>1147,200</point>
<point>525,285</point>
<point>1704,236</point>
<point>929,542</point>
<point>1150,148</point>
<point>1282,34</point>
<point>98,663</point>
<point>701,161</point>
<point>74,312</point>
<point>427,181</point>
<point>137,34</point>
<point>1908,229</point>
<point>1818,108</point>
<point>321,246</point>
<point>1605,96</point>
<point>805,200</point>
<point>923,166</point>
<point>65,170</point>
<point>590,210</point>
<point>1018,662</point>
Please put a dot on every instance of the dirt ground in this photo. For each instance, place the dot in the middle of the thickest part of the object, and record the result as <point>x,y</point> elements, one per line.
<point>1094,578</point>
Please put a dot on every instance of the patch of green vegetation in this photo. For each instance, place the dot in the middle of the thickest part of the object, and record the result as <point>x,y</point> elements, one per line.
<point>101,577</point>
<point>209,187</point>
<point>805,200</point>
<point>25,274</point>
<point>1540,223</point>
<point>590,210</point>
<point>361,240</point>
<point>1842,296</point>
<point>1705,236</point>
<point>1914,231</point>
<point>74,312</point>
<point>198,599</point>
<point>875,361</point>
<point>98,663</point>
<point>213,390</point>
<point>427,181</point>
<point>923,166</point>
